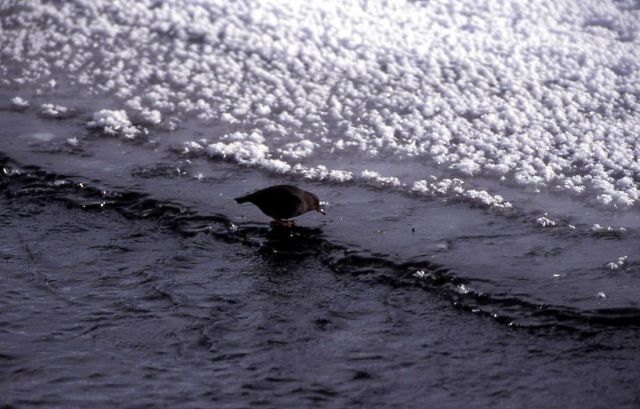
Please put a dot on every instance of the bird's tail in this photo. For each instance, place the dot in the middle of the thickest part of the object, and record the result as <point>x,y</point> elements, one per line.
<point>241,199</point>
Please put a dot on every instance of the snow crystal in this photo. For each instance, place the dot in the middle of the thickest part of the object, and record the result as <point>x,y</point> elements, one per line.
<point>614,265</point>
<point>486,198</point>
<point>19,103</point>
<point>421,274</point>
<point>462,289</point>
<point>544,221</point>
<point>597,228</point>
<point>275,165</point>
<point>72,141</point>
<point>113,122</point>
<point>192,148</point>
<point>247,149</point>
<point>467,167</point>
<point>151,117</point>
<point>456,188</point>
<point>54,111</point>
<point>321,172</point>
<point>298,150</point>
<point>376,179</point>
<point>245,152</point>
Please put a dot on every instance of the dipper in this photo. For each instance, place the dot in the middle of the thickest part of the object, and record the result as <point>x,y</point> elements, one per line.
<point>283,202</point>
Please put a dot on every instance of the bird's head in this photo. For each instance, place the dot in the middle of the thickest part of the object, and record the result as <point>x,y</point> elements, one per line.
<point>315,204</point>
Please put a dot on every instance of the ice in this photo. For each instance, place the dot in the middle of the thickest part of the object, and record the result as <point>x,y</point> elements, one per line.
<point>539,95</point>
<point>43,136</point>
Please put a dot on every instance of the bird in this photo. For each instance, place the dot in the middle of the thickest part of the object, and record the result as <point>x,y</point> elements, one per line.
<point>283,202</point>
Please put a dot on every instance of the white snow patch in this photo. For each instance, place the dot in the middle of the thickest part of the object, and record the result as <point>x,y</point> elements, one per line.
<point>113,122</point>
<point>19,103</point>
<point>544,221</point>
<point>455,188</point>
<point>247,149</point>
<point>321,172</point>
<point>597,228</point>
<point>151,117</point>
<point>298,150</point>
<point>73,141</point>
<point>614,265</point>
<point>54,111</point>
<point>462,289</point>
<point>421,274</point>
<point>374,178</point>
<point>245,152</point>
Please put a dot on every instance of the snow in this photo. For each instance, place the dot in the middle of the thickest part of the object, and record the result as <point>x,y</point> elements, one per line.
<point>374,178</point>
<point>113,122</point>
<point>538,94</point>
<point>322,173</point>
<point>54,111</point>
<point>19,103</point>
<point>544,221</point>
<point>614,265</point>
<point>72,141</point>
<point>455,188</point>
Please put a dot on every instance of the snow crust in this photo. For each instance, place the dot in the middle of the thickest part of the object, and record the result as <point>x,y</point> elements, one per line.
<point>542,94</point>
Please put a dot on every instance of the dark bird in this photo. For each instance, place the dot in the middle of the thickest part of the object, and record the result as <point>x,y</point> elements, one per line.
<point>283,202</point>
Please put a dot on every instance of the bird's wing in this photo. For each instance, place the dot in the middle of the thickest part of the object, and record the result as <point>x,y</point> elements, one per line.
<point>282,203</point>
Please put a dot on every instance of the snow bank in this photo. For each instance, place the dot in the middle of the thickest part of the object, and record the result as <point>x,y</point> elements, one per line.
<point>535,94</point>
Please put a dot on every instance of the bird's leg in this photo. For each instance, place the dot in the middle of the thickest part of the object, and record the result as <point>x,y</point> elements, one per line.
<point>283,223</point>
<point>278,223</point>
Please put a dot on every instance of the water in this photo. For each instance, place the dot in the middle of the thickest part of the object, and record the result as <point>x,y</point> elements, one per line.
<point>472,255</point>
<point>149,288</point>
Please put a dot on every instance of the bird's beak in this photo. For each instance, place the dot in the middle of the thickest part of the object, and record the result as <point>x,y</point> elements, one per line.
<point>321,211</point>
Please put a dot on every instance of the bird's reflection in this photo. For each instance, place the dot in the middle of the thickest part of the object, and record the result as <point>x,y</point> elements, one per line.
<point>294,241</point>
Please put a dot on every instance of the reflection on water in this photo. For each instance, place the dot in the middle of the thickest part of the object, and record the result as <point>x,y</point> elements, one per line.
<point>297,241</point>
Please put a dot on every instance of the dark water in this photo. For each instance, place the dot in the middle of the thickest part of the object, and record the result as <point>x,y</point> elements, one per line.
<point>112,297</point>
